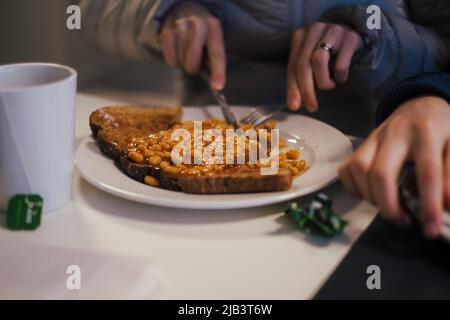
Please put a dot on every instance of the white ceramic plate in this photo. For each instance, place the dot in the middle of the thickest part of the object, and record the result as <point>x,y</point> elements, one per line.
<point>323,147</point>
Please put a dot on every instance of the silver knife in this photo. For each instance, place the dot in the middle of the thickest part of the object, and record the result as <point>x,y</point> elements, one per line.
<point>227,114</point>
<point>222,102</point>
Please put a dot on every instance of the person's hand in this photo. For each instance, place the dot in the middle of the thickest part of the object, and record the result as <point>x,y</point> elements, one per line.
<point>418,130</point>
<point>188,30</point>
<point>309,64</point>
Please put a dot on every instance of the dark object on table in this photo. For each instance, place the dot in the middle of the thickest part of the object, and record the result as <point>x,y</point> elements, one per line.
<point>319,218</point>
<point>410,199</point>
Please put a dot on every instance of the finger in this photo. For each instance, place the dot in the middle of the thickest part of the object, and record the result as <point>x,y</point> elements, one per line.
<point>182,38</point>
<point>385,171</point>
<point>350,44</point>
<point>216,54</point>
<point>196,43</point>
<point>169,47</point>
<point>321,57</point>
<point>305,79</point>
<point>293,96</point>
<point>360,165</point>
<point>294,99</point>
<point>428,158</point>
<point>347,180</point>
<point>447,174</point>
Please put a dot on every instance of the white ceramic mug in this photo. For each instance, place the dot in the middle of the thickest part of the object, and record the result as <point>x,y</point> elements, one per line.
<point>37,131</point>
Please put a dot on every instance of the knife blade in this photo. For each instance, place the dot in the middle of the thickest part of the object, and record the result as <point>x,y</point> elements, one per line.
<point>227,113</point>
<point>222,102</point>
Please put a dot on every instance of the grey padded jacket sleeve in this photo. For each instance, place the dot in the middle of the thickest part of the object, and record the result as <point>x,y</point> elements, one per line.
<point>124,28</point>
<point>410,48</point>
<point>127,28</point>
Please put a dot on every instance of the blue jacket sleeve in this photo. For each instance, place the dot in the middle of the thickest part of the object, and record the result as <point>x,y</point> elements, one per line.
<point>433,83</point>
<point>404,47</point>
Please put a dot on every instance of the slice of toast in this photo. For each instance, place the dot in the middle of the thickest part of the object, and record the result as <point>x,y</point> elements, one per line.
<point>115,127</point>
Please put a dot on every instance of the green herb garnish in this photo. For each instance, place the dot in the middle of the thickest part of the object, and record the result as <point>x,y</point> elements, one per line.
<point>319,218</point>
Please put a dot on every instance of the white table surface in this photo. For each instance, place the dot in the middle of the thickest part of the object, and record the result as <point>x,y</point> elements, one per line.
<point>235,254</point>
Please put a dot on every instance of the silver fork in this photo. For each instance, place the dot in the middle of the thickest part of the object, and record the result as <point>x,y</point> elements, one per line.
<point>261,114</point>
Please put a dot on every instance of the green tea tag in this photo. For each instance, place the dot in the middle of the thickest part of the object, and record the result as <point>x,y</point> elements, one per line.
<point>24,212</point>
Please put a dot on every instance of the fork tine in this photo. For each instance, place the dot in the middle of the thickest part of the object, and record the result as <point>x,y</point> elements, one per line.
<point>249,116</point>
<point>261,114</point>
<point>255,115</point>
<point>252,115</point>
<point>260,120</point>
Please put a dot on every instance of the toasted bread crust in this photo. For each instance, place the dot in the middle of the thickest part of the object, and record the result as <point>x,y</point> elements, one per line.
<point>244,182</point>
<point>115,127</point>
<point>235,182</point>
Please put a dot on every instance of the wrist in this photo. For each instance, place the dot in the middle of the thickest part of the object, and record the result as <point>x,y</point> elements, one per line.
<point>428,85</point>
<point>428,100</point>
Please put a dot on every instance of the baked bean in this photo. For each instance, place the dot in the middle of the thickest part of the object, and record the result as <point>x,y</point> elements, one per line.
<point>294,171</point>
<point>293,154</point>
<point>151,181</point>
<point>148,153</point>
<point>155,160</point>
<point>170,170</point>
<point>164,164</point>
<point>136,157</point>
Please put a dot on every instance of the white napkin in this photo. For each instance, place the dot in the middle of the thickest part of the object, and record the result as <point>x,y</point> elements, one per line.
<point>29,271</point>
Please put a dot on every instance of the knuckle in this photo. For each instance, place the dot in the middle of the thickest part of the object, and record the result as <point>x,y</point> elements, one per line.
<point>197,22</point>
<point>393,129</point>
<point>181,27</point>
<point>335,29</point>
<point>426,127</point>
<point>360,166</point>
<point>213,22</point>
<point>319,25</point>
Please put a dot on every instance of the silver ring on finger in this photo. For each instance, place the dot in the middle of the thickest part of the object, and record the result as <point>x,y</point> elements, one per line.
<point>327,47</point>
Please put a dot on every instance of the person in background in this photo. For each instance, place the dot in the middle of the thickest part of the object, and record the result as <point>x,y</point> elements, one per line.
<point>263,52</point>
